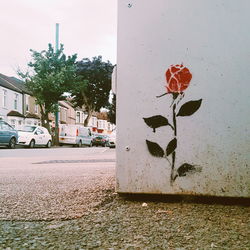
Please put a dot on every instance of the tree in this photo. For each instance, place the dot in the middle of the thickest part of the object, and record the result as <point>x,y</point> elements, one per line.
<point>93,86</point>
<point>112,110</point>
<point>49,77</point>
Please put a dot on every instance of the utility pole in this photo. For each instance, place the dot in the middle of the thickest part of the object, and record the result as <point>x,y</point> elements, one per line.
<point>56,139</point>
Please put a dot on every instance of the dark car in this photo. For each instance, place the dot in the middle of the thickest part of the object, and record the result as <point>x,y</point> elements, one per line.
<point>8,135</point>
<point>100,140</point>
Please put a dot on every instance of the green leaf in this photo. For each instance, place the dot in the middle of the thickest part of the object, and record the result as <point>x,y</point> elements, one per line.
<point>171,146</point>
<point>156,121</point>
<point>155,149</point>
<point>189,108</point>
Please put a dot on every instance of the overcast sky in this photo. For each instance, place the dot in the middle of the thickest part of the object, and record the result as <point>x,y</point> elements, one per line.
<point>86,27</point>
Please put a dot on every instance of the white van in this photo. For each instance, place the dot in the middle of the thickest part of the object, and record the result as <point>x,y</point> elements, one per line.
<point>76,135</point>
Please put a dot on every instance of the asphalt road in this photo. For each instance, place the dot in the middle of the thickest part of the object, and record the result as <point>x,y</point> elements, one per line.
<point>55,183</point>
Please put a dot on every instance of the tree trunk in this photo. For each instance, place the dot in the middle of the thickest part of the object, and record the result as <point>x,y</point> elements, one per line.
<point>89,109</point>
<point>45,119</point>
<point>86,121</point>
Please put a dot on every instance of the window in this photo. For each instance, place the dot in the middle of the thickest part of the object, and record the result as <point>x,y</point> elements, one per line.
<point>5,126</point>
<point>15,101</point>
<point>39,132</point>
<point>36,109</point>
<point>78,117</point>
<point>100,124</point>
<point>27,102</point>
<point>4,98</point>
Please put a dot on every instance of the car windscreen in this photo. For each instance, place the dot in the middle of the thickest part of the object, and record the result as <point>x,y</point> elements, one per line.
<point>28,129</point>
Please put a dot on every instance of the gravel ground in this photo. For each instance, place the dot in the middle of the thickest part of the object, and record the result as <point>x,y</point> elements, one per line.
<point>115,222</point>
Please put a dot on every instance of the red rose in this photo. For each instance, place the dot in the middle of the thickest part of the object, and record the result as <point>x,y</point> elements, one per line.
<point>178,78</point>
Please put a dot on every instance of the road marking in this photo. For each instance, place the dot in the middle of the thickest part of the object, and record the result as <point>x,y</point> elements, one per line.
<point>75,161</point>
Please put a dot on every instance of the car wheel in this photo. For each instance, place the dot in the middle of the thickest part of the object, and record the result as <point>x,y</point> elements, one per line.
<point>12,143</point>
<point>32,143</point>
<point>48,144</point>
<point>80,144</point>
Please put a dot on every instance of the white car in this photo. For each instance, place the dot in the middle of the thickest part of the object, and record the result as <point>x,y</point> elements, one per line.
<point>112,140</point>
<point>32,136</point>
<point>76,135</point>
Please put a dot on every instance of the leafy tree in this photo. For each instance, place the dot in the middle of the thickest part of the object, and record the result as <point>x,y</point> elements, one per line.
<point>50,75</point>
<point>93,86</point>
<point>112,110</point>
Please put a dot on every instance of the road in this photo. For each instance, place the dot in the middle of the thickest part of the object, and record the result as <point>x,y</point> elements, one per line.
<point>55,183</point>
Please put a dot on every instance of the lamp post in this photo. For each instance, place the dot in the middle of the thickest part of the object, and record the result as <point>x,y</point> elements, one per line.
<point>56,139</point>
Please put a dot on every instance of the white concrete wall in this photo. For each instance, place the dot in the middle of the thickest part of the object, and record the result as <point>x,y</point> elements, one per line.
<point>212,39</point>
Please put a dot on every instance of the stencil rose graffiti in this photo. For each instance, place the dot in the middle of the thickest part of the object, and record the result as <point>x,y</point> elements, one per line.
<point>178,78</point>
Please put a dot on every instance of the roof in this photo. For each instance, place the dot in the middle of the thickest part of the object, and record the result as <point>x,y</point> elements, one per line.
<point>102,116</point>
<point>33,116</point>
<point>6,83</point>
<point>15,113</point>
<point>13,83</point>
<point>19,84</point>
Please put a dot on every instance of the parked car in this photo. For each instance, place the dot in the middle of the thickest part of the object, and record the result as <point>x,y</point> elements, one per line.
<point>32,136</point>
<point>76,135</point>
<point>112,140</point>
<point>8,135</point>
<point>100,140</point>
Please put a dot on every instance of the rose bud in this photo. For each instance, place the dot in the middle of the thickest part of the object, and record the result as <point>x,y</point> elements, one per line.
<point>178,78</point>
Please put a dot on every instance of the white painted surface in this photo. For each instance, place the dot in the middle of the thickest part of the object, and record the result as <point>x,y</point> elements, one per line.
<point>212,39</point>
<point>9,105</point>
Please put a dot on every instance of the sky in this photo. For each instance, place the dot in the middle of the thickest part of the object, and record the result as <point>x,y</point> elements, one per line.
<point>86,27</point>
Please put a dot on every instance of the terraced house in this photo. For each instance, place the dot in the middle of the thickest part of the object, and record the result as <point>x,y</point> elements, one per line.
<point>17,106</point>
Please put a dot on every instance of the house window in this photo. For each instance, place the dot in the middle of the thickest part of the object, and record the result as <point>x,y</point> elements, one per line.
<point>99,124</point>
<point>36,109</point>
<point>4,98</point>
<point>27,103</point>
<point>15,101</point>
<point>78,117</point>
